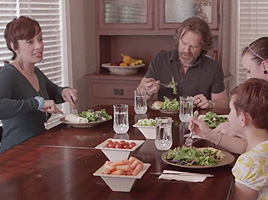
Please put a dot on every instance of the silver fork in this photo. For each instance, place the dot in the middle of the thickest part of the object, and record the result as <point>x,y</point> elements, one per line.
<point>165,85</point>
<point>189,139</point>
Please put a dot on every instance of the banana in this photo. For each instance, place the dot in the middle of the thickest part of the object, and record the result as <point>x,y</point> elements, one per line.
<point>132,62</point>
<point>135,62</point>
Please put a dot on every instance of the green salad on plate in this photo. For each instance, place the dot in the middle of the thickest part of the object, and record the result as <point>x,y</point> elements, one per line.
<point>213,120</point>
<point>192,156</point>
<point>170,104</point>
<point>96,116</point>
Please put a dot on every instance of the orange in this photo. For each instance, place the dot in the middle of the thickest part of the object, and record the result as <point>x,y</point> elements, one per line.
<point>127,59</point>
<point>123,64</point>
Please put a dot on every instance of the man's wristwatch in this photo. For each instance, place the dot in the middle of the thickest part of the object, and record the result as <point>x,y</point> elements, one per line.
<point>211,103</point>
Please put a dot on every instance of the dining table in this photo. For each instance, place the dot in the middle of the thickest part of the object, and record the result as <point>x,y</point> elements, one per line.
<point>60,163</point>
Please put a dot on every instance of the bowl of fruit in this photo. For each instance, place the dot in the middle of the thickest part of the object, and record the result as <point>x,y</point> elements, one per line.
<point>118,149</point>
<point>127,66</point>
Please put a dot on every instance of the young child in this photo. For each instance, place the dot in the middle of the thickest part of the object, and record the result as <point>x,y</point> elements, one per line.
<point>249,117</point>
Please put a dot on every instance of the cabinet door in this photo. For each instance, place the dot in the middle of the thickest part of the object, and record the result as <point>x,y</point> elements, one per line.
<point>125,14</point>
<point>174,12</point>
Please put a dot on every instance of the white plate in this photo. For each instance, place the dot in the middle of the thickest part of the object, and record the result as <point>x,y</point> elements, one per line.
<point>118,70</point>
<point>114,154</point>
<point>121,183</point>
<point>82,125</point>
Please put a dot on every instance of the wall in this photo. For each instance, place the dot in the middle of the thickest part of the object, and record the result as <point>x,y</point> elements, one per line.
<point>82,26</point>
<point>234,55</point>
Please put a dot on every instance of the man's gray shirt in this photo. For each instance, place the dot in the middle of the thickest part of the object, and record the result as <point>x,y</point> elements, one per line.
<point>204,77</point>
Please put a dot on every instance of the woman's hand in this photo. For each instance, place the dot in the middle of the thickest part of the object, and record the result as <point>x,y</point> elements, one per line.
<point>202,102</point>
<point>70,95</point>
<point>50,107</point>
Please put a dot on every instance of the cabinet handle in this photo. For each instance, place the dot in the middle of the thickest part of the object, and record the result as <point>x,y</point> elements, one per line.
<point>118,91</point>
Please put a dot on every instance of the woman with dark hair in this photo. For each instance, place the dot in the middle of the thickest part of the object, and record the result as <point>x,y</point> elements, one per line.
<point>27,96</point>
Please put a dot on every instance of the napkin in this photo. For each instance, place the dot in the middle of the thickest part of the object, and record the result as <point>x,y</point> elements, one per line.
<point>183,176</point>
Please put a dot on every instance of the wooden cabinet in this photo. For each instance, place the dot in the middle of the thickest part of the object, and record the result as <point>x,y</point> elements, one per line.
<point>173,12</point>
<point>125,14</point>
<point>111,89</point>
<point>141,29</point>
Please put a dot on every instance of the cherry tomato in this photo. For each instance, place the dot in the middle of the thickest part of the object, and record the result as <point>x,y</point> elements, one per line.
<point>109,141</point>
<point>126,146</point>
<point>122,142</point>
<point>133,144</point>
<point>115,142</point>
<point>118,146</point>
<point>110,145</point>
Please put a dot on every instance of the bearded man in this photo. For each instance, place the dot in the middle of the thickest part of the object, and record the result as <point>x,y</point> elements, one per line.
<point>196,74</point>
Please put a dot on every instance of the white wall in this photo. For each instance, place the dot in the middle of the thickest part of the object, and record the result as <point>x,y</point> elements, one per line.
<point>234,55</point>
<point>82,26</point>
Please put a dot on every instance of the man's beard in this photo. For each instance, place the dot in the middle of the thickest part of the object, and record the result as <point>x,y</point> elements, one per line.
<point>189,59</point>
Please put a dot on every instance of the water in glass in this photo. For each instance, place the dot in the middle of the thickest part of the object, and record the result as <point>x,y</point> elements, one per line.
<point>140,102</point>
<point>186,108</point>
<point>121,123</point>
<point>163,139</point>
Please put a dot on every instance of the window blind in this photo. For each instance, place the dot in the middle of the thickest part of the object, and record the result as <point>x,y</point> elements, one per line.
<point>48,14</point>
<point>253,24</point>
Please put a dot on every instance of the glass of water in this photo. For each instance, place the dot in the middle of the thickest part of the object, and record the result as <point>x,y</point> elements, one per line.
<point>140,103</point>
<point>186,108</point>
<point>121,123</point>
<point>163,139</point>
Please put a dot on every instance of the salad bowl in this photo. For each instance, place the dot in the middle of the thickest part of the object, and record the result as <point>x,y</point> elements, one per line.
<point>149,132</point>
<point>147,127</point>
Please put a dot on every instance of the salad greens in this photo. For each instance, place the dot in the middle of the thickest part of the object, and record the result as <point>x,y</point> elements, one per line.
<point>146,122</point>
<point>96,116</point>
<point>173,85</point>
<point>213,120</point>
<point>192,156</point>
<point>170,105</point>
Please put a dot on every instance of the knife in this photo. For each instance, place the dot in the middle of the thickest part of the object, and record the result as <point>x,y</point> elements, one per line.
<point>182,174</point>
<point>74,108</point>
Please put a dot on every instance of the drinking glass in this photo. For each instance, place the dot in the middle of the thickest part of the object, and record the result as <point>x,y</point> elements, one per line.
<point>163,139</point>
<point>121,124</point>
<point>140,103</point>
<point>186,108</point>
